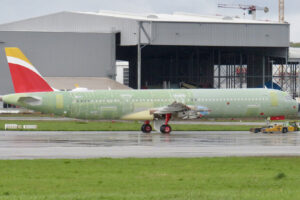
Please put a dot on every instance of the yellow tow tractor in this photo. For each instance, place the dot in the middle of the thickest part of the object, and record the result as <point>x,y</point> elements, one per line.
<point>275,128</point>
<point>282,128</point>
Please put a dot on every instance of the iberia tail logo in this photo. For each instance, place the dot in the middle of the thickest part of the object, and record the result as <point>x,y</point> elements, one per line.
<point>24,75</point>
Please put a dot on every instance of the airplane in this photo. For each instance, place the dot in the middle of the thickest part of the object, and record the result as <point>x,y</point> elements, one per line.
<point>158,105</point>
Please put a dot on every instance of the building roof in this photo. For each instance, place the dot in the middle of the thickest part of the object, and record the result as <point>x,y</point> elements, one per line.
<point>157,17</point>
<point>177,17</point>
<point>162,29</point>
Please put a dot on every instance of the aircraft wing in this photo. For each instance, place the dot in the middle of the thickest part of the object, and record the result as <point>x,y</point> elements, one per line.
<point>181,111</point>
<point>172,108</point>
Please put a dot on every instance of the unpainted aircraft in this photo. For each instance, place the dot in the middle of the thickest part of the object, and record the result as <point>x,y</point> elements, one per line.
<point>33,92</point>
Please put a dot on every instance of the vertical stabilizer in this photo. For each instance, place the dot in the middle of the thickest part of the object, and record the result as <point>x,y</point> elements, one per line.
<point>24,75</point>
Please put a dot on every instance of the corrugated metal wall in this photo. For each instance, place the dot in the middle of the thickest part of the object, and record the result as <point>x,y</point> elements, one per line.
<point>204,34</point>
<point>162,33</point>
<point>6,85</point>
<point>77,22</point>
<point>61,54</point>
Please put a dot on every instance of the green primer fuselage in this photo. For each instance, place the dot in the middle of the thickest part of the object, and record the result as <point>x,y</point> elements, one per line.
<point>137,104</point>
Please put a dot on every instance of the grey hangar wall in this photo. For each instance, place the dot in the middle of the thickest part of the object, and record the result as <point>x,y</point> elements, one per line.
<point>192,50</point>
<point>57,54</point>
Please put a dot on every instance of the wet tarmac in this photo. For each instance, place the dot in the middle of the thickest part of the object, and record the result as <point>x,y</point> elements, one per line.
<point>33,145</point>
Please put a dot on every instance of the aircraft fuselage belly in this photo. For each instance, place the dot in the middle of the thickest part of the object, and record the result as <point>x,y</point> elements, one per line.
<point>139,104</point>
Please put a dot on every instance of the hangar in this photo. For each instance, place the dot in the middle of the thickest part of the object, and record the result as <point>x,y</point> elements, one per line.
<point>162,49</point>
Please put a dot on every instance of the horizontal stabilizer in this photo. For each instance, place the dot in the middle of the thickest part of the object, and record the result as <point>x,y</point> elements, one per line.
<point>33,101</point>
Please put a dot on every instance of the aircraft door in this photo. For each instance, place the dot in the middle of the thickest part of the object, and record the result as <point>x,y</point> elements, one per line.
<point>273,98</point>
<point>59,101</point>
<point>126,103</point>
<point>60,106</point>
<point>75,105</point>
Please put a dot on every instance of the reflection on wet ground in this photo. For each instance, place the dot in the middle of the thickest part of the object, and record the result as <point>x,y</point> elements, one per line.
<point>17,144</point>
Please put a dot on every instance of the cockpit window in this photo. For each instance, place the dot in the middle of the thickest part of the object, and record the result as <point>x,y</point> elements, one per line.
<point>288,98</point>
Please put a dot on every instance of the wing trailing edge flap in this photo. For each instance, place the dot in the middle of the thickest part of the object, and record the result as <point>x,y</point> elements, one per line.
<point>182,111</point>
<point>149,114</point>
<point>30,100</point>
<point>172,108</point>
<point>179,110</point>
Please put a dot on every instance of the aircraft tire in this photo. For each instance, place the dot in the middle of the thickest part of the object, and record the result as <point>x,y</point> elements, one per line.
<point>284,130</point>
<point>165,129</point>
<point>143,127</point>
<point>146,128</point>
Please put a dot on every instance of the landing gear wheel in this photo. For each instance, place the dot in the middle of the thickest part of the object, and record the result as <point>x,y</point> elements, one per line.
<point>165,129</point>
<point>284,130</point>
<point>146,128</point>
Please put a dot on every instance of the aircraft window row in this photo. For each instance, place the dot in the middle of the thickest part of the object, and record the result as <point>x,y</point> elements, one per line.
<point>117,100</point>
<point>150,100</point>
<point>97,101</point>
<point>168,100</point>
<point>229,99</point>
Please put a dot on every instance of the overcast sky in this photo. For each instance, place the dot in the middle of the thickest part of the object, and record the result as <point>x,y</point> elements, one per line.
<point>12,10</point>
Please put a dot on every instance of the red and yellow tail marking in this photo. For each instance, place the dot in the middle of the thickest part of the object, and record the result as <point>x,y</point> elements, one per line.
<point>24,75</point>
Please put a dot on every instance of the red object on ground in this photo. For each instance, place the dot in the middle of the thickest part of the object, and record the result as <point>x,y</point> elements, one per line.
<point>277,118</point>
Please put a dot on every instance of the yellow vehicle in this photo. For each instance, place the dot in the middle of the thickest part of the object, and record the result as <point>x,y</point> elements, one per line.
<point>282,128</point>
<point>257,130</point>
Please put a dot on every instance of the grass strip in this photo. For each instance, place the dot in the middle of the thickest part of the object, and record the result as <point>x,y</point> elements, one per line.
<point>231,178</point>
<point>117,126</point>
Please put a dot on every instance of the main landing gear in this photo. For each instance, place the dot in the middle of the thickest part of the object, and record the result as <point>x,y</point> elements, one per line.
<point>146,127</point>
<point>166,128</point>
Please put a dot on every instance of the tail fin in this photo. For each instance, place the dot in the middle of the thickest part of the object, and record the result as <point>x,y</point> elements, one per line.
<point>24,76</point>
